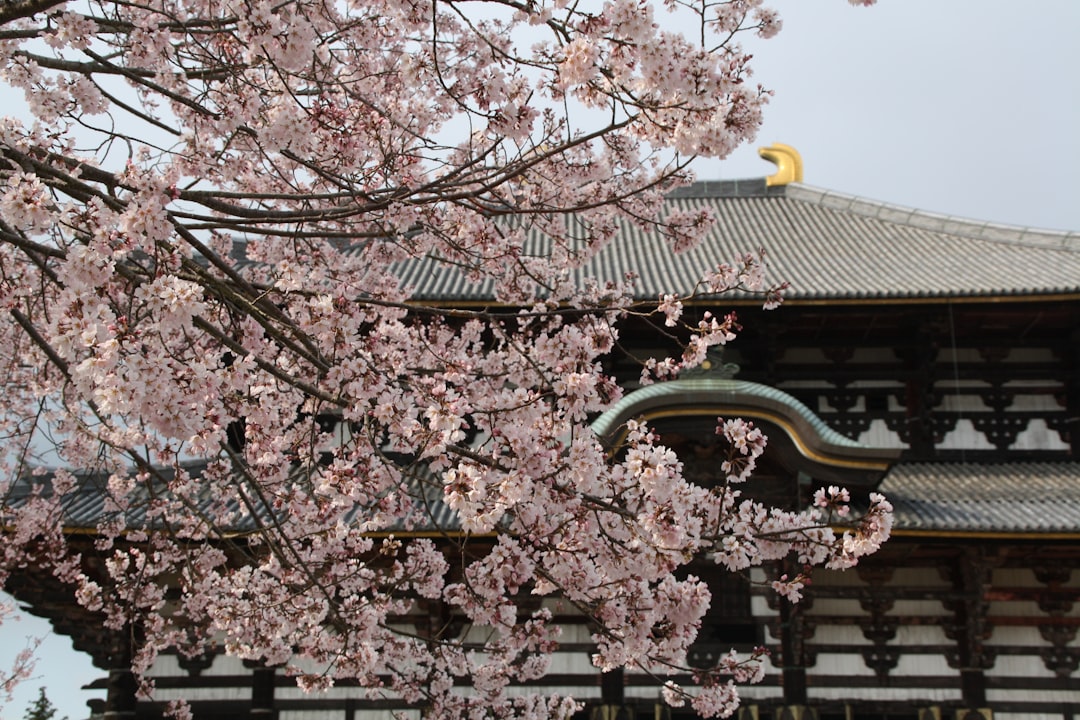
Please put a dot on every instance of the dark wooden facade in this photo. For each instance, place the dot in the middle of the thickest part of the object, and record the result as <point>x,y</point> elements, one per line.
<point>971,389</point>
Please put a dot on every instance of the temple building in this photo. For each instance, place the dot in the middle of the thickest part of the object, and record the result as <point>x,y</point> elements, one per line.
<point>931,358</point>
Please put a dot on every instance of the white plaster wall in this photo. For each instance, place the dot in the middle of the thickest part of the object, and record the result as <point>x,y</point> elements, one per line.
<point>366,714</point>
<point>1033,402</point>
<point>169,666</point>
<point>1038,436</point>
<point>964,355</point>
<point>1012,635</point>
<point>908,635</point>
<point>1030,666</point>
<point>225,665</point>
<point>837,578</point>
<point>916,695</point>
<point>203,694</point>
<point>879,435</point>
<point>874,355</point>
<point>760,609</point>
<point>839,635</point>
<point>292,692</point>
<point>961,403</point>
<point>845,607</point>
<point>1040,384</point>
<point>573,662</point>
<point>1020,608</point>
<point>755,693</point>
<point>1061,696</point>
<point>965,437</point>
<point>922,665</point>
<point>919,608</point>
<point>845,665</point>
<point>576,634</point>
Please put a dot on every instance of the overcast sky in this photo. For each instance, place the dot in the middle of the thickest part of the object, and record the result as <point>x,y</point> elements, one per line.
<point>968,108</point>
<point>965,108</point>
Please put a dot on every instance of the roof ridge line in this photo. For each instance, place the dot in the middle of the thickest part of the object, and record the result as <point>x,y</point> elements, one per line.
<point>1004,233</point>
<point>733,188</point>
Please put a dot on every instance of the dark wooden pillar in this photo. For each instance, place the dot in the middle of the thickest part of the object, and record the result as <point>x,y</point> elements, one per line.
<point>794,630</point>
<point>120,697</point>
<point>1069,427</point>
<point>1063,655</point>
<point>969,628</point>
<point>791,653</point>
<point>917,427</point>
<point>121,688</point>
<point>612,687</point>
<point>876,601</point>
<point>263,680</point>
<point>612,697</point>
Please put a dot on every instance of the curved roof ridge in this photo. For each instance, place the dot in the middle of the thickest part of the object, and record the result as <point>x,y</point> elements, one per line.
<point>935,222</point>
<point>825,454</point>
<point>699,388</point>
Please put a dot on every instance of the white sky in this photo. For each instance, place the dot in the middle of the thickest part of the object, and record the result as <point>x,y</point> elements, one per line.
<point>968,108</point>
<point>963,107</point>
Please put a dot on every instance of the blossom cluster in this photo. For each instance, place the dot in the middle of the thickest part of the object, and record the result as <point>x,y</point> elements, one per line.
<point>213,218</point>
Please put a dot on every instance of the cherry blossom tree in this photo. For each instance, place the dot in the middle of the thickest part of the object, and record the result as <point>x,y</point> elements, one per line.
<point>205,216</point>
<point>22,665</point>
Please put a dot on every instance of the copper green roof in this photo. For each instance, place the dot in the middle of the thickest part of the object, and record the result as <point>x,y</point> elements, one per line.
<point>798,439</point>
<point>705,391</point>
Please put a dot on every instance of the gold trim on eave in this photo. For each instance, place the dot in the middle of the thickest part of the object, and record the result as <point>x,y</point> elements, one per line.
<point>736,409</point>
<point>789,167</point>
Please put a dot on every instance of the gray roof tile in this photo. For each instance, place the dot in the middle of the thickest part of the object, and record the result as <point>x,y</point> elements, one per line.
<point>827,245</point>
<point>1023,498</point>
<point>1010,498</point>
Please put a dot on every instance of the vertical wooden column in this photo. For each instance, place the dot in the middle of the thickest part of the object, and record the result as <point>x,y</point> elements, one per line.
<point>969,628</point>
<point>794,630</point>
<point>794,673</point>
<point>919,427</point>
<point>262,691</point>
<point>612,697</point>
<point>1067,427</point>
<point>120,697</point>
<point>1063,655</point>
<point>121,688</point>
<point>876,601</point>
<point>612,687</point>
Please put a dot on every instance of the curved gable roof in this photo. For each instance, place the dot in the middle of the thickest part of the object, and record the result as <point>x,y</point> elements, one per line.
<point>806,442</point>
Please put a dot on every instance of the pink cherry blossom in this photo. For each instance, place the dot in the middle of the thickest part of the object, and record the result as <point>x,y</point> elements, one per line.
<point>210,228</point>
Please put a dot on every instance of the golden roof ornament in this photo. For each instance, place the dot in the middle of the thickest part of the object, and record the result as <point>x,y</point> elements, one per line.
<point>788,162</point>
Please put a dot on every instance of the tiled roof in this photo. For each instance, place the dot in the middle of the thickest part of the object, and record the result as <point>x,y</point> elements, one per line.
<point>828,246</point>
<point>933,498</point>
<point>88,504</point>
<point>1023,498</point>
